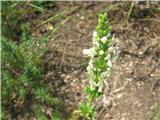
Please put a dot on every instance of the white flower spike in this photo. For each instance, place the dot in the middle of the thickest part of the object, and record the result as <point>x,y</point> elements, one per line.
<point>101,59</point>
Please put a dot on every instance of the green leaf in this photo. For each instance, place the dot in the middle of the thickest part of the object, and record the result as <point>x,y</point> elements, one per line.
<point>22,92</point>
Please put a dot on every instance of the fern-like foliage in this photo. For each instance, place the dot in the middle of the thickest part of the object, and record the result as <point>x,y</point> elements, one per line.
<point>22,73</point>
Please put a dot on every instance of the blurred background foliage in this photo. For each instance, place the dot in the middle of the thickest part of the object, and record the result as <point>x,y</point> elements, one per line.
<point>13,15</point>
<point>23,87</point>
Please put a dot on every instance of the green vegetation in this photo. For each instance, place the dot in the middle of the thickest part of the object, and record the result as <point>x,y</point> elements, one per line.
<point>158,111</point>
<point>155,114</point>
<point>13,15</point>
<point>22,64</point>
<point>23,72</point>
<point>131,9</point>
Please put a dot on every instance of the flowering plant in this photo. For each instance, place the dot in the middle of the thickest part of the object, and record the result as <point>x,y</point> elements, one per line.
<point>101,56</point>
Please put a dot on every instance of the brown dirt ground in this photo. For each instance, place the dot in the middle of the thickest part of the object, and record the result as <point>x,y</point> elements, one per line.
<point>134,87</point>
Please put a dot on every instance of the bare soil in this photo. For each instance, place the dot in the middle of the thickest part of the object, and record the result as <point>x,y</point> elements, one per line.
<point>134,87</point>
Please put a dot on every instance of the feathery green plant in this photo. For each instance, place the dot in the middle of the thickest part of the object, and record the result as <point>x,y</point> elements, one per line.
<point>22,63</point>
<point>101,56</point>
<point>22,73</point>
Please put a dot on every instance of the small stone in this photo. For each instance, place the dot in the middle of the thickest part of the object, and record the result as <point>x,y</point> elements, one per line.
<point>119,96</point>
<point>107,102</point>
<point>108,116</point>
<point>152,75</point>
<point>140,53</point>
<point>67,77</point>
<point>63,75</point>
<point>74,80</point>
<point>82,17</point>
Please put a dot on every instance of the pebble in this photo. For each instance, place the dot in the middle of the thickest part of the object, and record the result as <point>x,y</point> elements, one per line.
<point>107,102</point>
<point>63,75</point>
<point>82,17</point>
<point>152,75</point>
<point>119,96</point>
<point>68,77</point>
<point>140,53</point>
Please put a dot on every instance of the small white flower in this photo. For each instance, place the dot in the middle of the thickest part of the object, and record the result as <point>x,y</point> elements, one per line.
<point>97,84</point>
<point>101,52</point>
<point>104,74</point>
<point>94,40</point>
<point>90,63</point>
<point>109,63</point>
<point>104,39</point>
<point>90,66</point>
<point>86,51</point>
<point>94,35</point>
<point>107,57</point>
<point>95,43</point>
<point>92,84</point>
<point>100,87</point>
<point>115,56</point>
<point>110,49</point>
<point>108,35</point>
<point>113,40</point>
<point>90,52</point>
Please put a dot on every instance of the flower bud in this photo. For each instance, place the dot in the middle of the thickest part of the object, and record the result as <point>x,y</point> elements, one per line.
<point>101,52</point>
<point>104,39</point>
